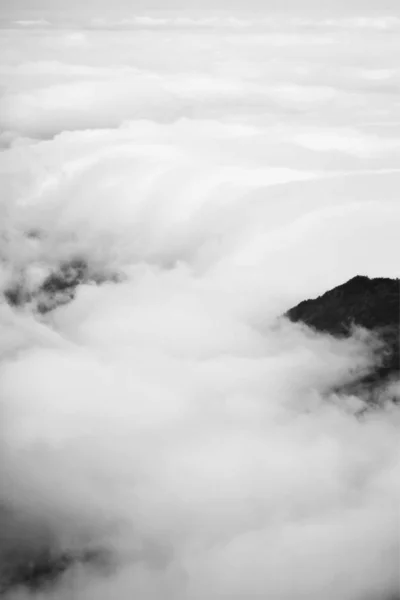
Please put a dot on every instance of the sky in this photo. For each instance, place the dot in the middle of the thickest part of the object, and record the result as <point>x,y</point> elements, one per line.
<point>283,6</point>
<point>313,8</point>
<point>211,168</point>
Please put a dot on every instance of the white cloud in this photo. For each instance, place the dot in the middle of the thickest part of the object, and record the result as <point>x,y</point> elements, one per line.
<point>165,414</point>
<point>33,23</point>
<point>349,141</point>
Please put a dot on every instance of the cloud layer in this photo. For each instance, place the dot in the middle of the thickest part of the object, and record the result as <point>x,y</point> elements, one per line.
<point>208,177</point>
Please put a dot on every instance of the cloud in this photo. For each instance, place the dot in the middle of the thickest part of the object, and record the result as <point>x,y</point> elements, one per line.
<point>47,111</point>
<point>346,141</point>
<point>32,23</point>
<point>101,77</point>
<point>177,22</point>
<point>156,412</point>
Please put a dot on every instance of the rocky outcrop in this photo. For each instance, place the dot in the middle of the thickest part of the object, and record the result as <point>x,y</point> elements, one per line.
<point>58,288</point>
<point>373,304</point>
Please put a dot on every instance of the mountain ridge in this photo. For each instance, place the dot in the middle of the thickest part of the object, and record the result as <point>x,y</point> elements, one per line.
<point>370,303</point>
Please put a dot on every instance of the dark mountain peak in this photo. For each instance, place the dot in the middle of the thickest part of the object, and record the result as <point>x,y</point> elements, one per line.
<point>370,303</point>
<point>365,280</point>
<point>357,281</point>
<point>373,304</point>
<point>362,283</point>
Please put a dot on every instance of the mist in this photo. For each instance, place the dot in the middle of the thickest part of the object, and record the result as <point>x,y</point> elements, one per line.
<point>171,184</point>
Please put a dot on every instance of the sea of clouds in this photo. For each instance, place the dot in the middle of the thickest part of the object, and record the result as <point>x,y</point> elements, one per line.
<point>216,170</point>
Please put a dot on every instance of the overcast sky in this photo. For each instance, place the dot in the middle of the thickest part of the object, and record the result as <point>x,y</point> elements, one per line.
<point>281,6</point>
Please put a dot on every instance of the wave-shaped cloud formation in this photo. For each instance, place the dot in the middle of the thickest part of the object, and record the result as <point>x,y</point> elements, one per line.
<point>165,198</point>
